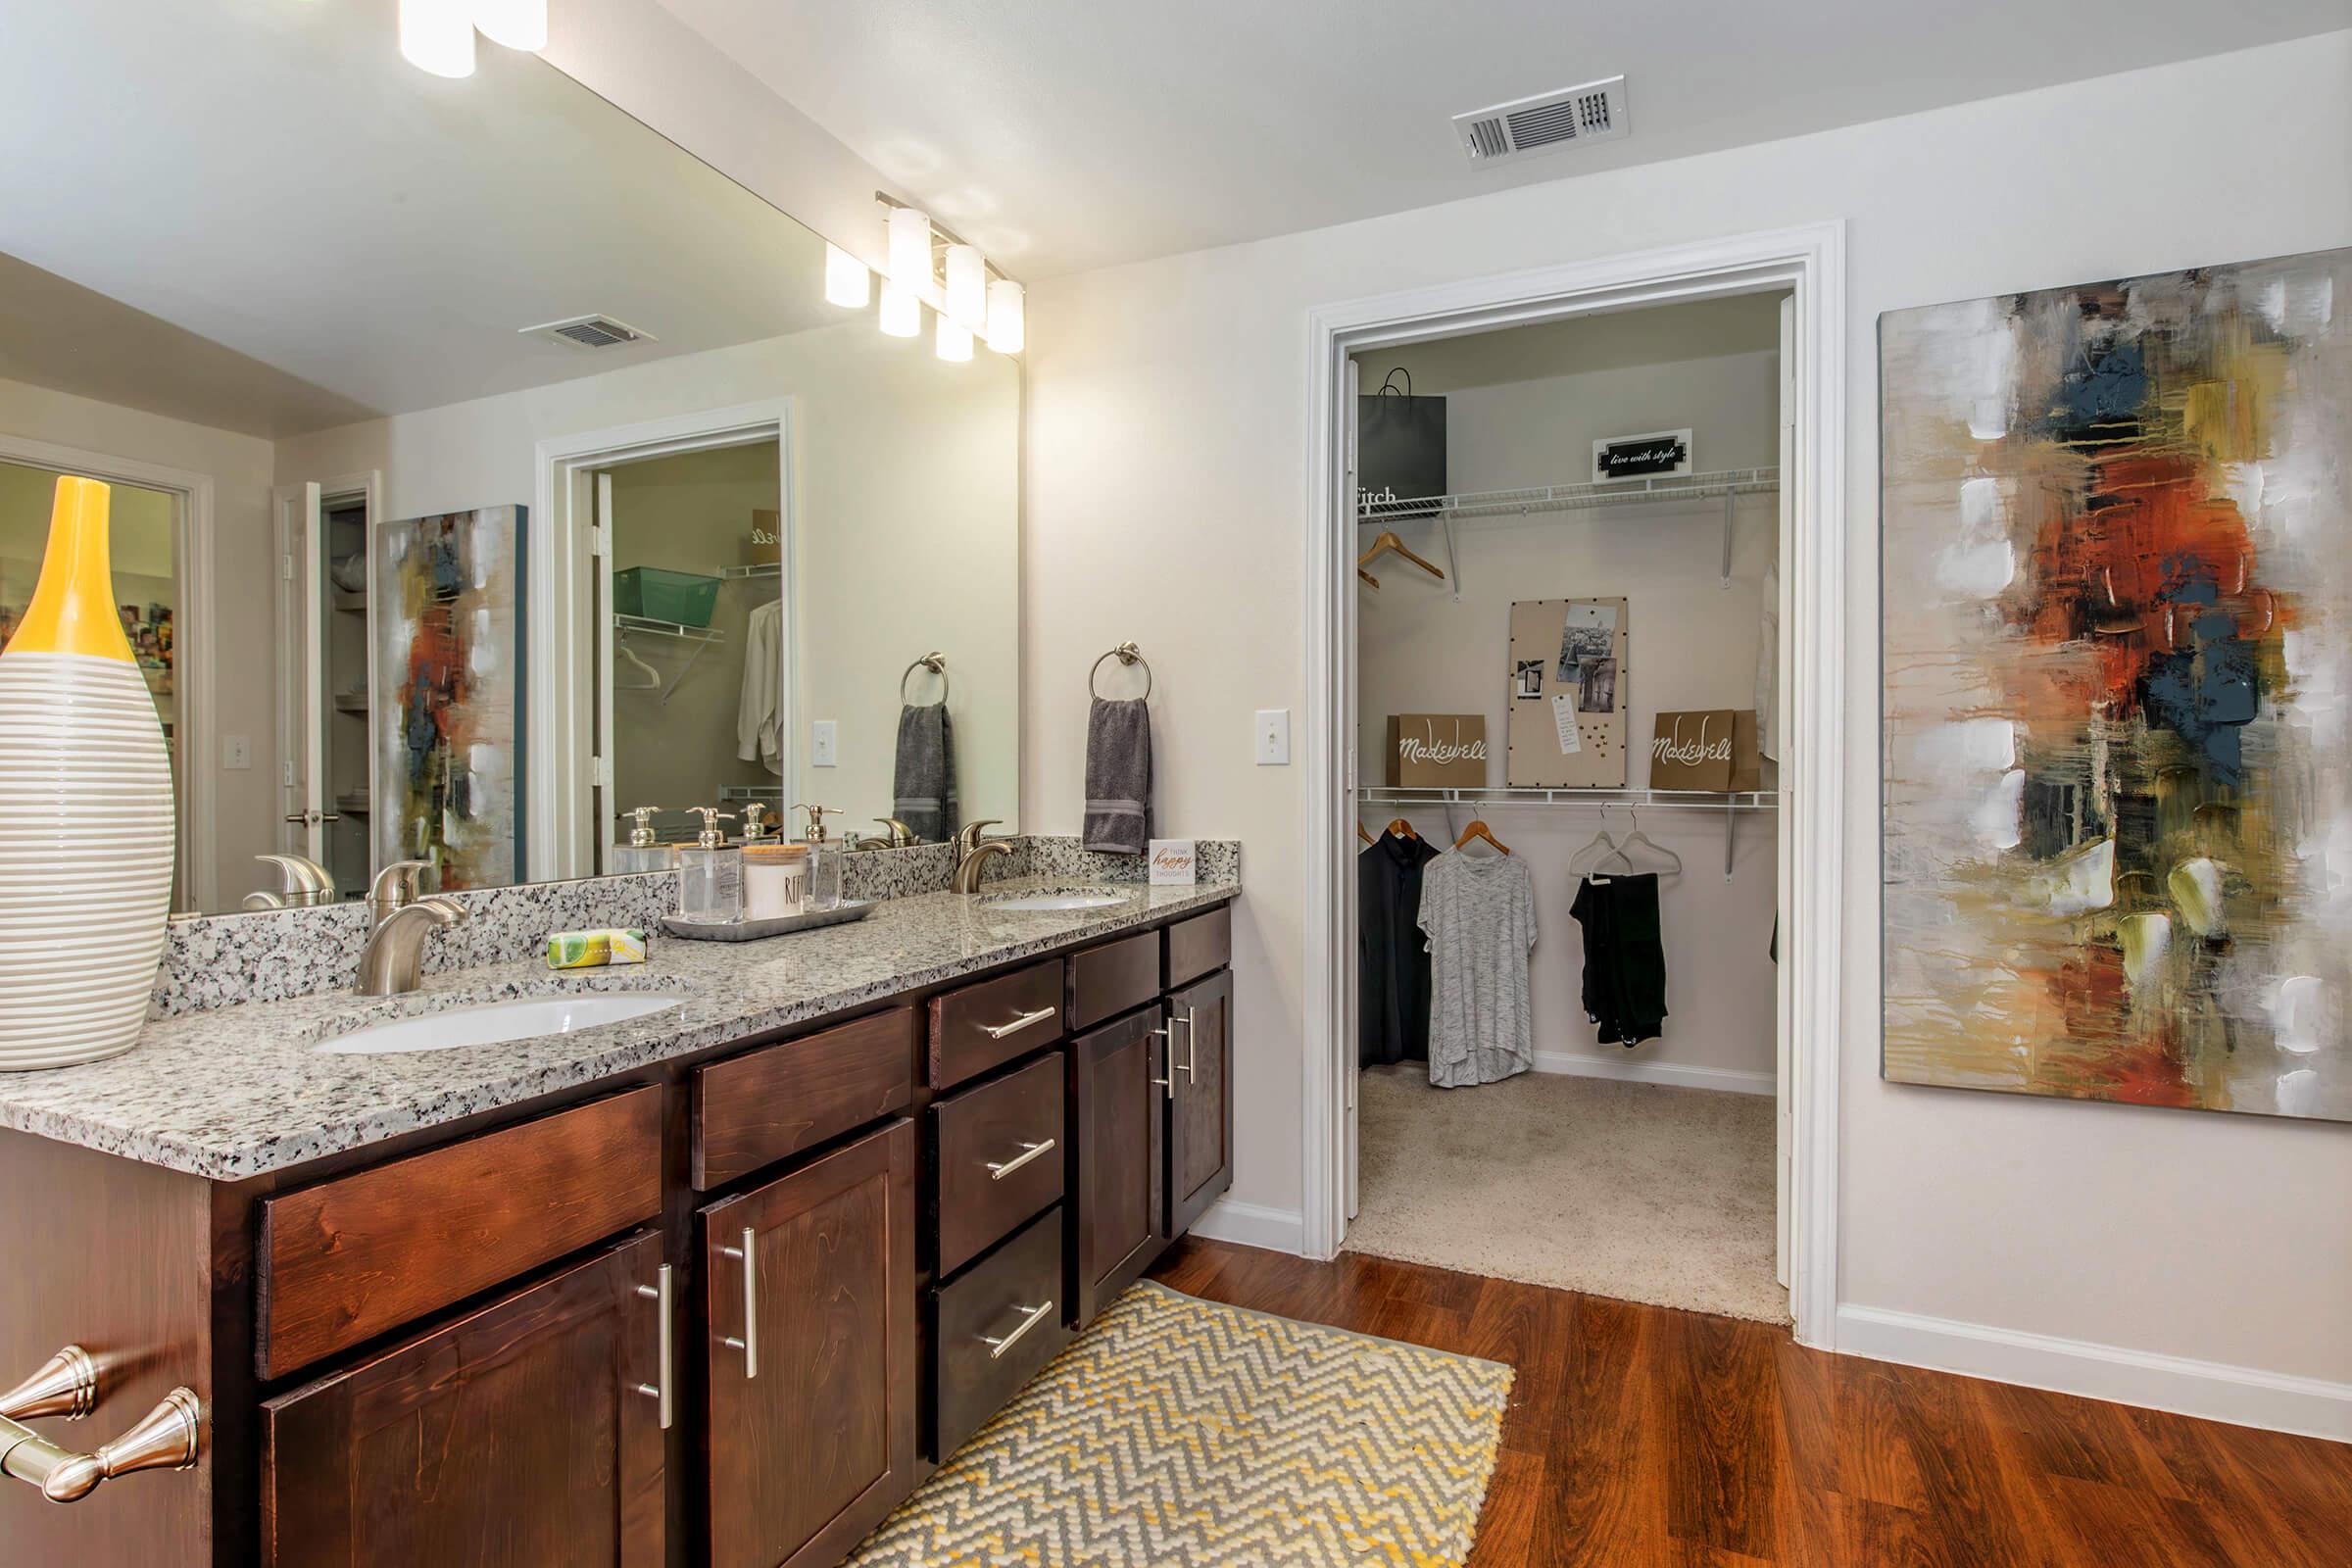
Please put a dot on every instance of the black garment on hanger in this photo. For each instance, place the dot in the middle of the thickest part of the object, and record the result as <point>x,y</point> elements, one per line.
<point>1392,958</point>
<point>1625,961</point>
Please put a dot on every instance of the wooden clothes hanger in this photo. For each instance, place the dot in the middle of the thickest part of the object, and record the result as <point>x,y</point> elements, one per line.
<point>1402,829</point>
<point>1388,541</point>
<point>1364,833</point>
<point>1478,831</point>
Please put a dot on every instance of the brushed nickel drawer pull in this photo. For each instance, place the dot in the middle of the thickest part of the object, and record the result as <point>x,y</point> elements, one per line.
<point>660,1390</point>
<point>1167,1055</point>
<point>1191,1044</point>
<point>997,1345</point>
<point>998,1172</point>
<point>749,1345</point>
<point>998,1031</point>
<point>166,1438</point>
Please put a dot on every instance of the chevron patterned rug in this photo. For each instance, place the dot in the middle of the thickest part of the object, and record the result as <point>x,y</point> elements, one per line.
<point>1177,1433</point>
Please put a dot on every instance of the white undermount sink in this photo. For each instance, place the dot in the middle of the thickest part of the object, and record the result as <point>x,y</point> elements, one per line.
<point>1080,899</point>
<point>495,1022</point>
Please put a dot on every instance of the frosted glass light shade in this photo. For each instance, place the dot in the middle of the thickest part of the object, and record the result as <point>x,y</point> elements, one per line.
<point>901,311</point>
<point>517,24</point>
<point>1007,317</point>
<point>437,37</point>
<point>967,286</point>
<point>910,248</point>
<point>955,340</point>
<point>847,281</point>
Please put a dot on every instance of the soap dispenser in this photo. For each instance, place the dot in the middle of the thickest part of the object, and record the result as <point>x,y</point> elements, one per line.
<point>755,826</point>
<point>824,860</point>
<point>643,852</point>
<point>710,873</point>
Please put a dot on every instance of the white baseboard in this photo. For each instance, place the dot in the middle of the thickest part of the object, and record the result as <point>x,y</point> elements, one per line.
<point>2214,1389</point>
<point>1278,1230</point>
<point>1634,1069</point>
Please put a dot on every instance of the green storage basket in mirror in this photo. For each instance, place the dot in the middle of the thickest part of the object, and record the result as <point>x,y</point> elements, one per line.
<point>681,597</point>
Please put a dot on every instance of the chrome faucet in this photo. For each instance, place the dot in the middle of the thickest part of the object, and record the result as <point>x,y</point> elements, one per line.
<point>972,853</point>
<point>390,962</point>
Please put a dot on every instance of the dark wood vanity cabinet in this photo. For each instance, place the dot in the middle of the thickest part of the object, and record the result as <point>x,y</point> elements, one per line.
<point>526,1431</point>
<point>810,1304</point>
<point>725,1308</point>
<point>1200,1035</point>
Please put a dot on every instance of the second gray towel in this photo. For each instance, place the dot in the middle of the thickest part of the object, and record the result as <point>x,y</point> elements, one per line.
<point>1118,776</point>
<point>924,784</point>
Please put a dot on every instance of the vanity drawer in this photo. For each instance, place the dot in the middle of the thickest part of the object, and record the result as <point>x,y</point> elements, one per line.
<point>1108,980</point>
<point>997,1326</point>
<point>1000,1157</point>
<point>756,1108</point>
<point>1199,946</point>
<point>349,1259</point>
<point>989,1024</point>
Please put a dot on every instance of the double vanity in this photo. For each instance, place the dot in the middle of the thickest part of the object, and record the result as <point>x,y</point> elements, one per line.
<point>711,1259</point>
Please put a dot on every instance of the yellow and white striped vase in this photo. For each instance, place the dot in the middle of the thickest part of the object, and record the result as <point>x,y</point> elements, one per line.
<point>85,810</point>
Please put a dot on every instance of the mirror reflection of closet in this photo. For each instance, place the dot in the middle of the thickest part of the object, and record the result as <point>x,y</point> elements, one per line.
<point>694,653</point>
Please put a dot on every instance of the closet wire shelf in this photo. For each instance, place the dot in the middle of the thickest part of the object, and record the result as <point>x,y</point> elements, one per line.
<point>1733,804</point>
<point>1726,485</point>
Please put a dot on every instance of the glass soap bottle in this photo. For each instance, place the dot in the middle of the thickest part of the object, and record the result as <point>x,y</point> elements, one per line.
<point>710,873</point>
<point>644,851</point>
<point>824,860</point>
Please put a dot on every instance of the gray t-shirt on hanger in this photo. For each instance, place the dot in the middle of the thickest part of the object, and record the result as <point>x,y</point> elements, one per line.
<point>1479,912</point>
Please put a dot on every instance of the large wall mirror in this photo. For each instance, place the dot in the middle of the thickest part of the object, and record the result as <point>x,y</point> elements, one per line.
<point>484,466</point>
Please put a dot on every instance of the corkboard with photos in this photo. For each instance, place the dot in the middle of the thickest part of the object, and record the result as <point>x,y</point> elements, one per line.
<point>1568,685</point>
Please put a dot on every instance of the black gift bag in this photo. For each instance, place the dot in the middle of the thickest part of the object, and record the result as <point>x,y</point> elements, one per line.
<point>1399,447</point>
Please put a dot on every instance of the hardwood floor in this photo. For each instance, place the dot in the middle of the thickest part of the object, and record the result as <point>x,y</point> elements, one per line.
<point>1642,1436</point>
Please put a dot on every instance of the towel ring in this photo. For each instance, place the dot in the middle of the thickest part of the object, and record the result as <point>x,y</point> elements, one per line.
<point>1125,654</point>
<point>937,664</point>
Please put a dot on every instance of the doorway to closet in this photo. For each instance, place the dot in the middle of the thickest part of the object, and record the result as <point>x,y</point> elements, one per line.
<point>1566,683</point>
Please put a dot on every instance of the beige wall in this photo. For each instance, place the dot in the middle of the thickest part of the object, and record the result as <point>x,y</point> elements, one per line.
<point>1167,471</point>
<point>906,481</point>
<point>245,803</point>
<point>1509,425</point>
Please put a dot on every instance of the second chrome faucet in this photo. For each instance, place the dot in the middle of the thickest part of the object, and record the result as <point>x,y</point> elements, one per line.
<point>399,922</point>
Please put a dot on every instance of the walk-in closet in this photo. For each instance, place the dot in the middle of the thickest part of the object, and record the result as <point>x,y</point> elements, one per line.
<point>1567,709</point>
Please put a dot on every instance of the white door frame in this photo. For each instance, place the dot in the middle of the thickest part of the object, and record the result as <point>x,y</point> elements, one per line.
<point>560,842</point>
<point>192,637</point>
<point>300,747</point>
<point>1810,261</point>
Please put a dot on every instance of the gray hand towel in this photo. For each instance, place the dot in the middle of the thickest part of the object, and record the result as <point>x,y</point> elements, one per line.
<point>924,785</point>
<point>1118,776</point>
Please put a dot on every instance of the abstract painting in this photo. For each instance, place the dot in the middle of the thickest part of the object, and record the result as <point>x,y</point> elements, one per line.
<point>2118,689</point>
<point>448,702</point>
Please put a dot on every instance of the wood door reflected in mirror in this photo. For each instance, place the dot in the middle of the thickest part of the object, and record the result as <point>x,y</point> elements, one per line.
<point>362,394</point>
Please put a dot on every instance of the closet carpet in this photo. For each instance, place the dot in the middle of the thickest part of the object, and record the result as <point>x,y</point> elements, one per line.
<point>1633,1191</point>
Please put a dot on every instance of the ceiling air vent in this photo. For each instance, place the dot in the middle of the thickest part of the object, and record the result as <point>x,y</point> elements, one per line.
<point>1594,112</point>
<point>588,333</point>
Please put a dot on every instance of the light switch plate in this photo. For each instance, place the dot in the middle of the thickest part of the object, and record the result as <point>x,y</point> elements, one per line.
<point>236,753</point>
<point>1273,737</point>
<point>824,742</point>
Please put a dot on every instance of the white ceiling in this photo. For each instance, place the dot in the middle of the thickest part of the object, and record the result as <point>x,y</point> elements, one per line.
<point>1062,134</point>
<point>354,235</point>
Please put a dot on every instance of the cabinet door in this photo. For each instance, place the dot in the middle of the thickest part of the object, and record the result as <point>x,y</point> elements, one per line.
<point>527,1432</point>
<point>1201,1107</point>
<point>812,1310</point>
<point>1118,1094</point>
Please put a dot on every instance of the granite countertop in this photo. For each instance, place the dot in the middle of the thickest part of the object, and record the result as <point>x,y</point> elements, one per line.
<point>239,1091</point>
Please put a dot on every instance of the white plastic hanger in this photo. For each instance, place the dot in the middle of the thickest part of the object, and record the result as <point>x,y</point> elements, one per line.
<point>1641,839</point>
<point>652,676</point>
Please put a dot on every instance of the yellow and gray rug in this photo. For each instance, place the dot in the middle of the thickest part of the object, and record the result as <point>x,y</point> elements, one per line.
<point>1178,1432</point>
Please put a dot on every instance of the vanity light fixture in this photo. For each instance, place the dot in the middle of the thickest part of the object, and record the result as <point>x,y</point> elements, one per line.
<point>955,340</point>
<point>437,37</point>
<point>967,286</point>
<point>901,310</point>
<point>517,24</point>
<point>847,280</point>
<point>1007,317</point>
<point>911,249</point>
